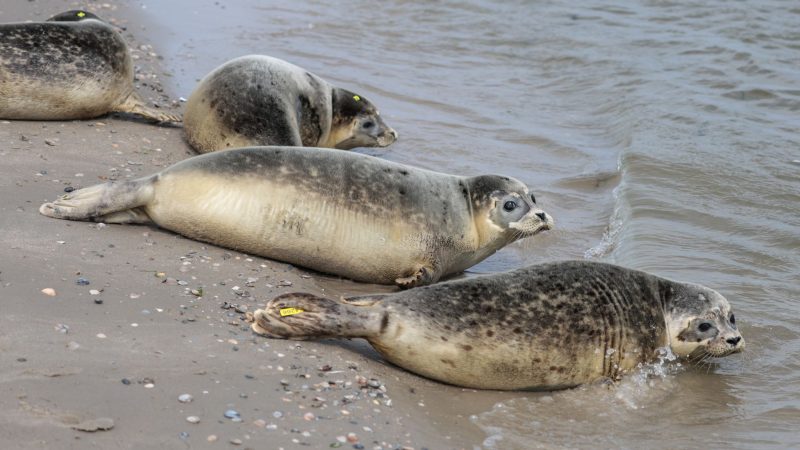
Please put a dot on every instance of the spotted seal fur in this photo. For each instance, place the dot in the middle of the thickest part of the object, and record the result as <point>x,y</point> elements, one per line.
<point>260,100</point>
<point>543,327</point>
<point>72,66</point>
<point>337,212</point>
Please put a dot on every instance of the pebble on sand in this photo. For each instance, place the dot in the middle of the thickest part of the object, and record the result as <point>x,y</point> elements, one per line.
<point>193,419</point>
<point>49,292</point>
<point>185,398</point>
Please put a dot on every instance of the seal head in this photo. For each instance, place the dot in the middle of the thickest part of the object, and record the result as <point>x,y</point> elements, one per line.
<point>700,323</point>
<point>75,15</point>
<point>506,206</point>
<point>356,122</point>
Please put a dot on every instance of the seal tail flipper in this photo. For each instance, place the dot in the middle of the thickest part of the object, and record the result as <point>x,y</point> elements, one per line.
<point>303,316</point>
<point>422,277</point>
<point>134,215</point>
<point>113,202</point>
<point>134,105</point>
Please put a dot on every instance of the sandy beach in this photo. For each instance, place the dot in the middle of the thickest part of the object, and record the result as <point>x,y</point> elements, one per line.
<point>132,318</point>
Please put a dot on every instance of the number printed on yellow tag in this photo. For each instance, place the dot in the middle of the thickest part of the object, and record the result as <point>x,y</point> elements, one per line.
<point>290,311</point>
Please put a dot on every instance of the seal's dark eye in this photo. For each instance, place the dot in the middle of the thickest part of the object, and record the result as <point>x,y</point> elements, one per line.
<point>705,326</point>
<point>533,198</point>
<point>510,205</point>
<point>733,319</point>
<point>368,124</point>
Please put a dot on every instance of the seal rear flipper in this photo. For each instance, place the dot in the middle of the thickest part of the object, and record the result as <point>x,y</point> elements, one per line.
<point>135,215</point>
<point>135,105</point>
<point>421,277</point>
<point>363,300</point>
<point>303,316</point>
<point>113,202</point>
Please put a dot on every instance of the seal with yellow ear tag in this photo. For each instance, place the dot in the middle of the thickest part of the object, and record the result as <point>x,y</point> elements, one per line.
<point>543,327</point>
<point>260,100</point>
<point>72,66</point>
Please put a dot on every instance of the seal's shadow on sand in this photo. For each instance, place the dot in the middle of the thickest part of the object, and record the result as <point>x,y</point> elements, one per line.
<point>128,117</point>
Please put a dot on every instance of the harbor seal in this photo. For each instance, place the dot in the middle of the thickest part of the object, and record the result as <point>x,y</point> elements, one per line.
<point>73,66</point>
<point>260,100</point>
<point>543,327</point>
<point>336,212</point>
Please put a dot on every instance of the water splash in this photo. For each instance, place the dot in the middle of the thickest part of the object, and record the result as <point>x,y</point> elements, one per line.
<point>635,390</point>
<point>598,410</point>
<point>618,218</point>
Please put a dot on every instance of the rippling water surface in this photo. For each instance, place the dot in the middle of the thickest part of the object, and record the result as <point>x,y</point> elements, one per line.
<point>661,135</point>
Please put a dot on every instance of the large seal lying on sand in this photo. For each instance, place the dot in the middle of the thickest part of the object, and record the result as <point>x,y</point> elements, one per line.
<point>74,66</point>
<point>259,100</point>
<point>543,327</point>
<point>337,212</point>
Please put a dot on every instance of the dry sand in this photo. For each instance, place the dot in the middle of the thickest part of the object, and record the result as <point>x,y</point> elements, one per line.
<point>158,327</point>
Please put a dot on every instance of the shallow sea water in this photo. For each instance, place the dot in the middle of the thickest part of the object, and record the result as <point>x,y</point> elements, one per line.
<point>661,135</point>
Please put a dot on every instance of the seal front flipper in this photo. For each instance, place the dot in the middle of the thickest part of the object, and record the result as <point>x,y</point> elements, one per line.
<point>303,316</point>
<point>421,277</point>
<point>135,105</point>
<point>113,202</point>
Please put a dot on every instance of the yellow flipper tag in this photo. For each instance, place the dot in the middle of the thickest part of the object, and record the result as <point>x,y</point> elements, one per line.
<point>356,98</point>
<point>290,311</point>
<point>81,14</point>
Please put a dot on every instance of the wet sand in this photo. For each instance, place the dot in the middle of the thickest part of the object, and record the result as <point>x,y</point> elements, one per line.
<point>154,321</point>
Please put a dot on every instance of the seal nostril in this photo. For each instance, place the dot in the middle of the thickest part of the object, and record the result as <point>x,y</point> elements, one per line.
<point>734,341</point>
<point>542,216</point>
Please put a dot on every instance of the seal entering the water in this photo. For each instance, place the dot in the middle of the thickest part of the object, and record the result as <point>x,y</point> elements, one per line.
<point>73,66</point>
<point>260,100</point>
<point>338,212</point>
<point>544,327</point>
